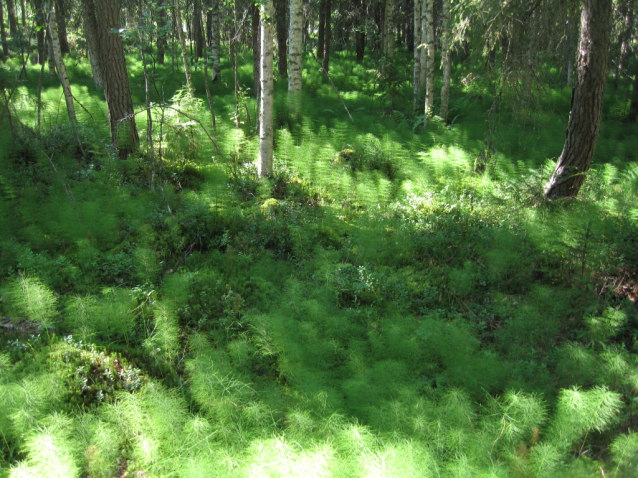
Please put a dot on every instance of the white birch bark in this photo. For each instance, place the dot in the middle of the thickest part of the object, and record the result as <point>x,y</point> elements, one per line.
<point>295,58</point>
<point>182,43</point>
<point>264,161</point>
<point>423,42</point>
<point>445,59</point>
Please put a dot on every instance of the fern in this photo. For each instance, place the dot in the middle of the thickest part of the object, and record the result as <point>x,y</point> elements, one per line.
<point>29,298</point>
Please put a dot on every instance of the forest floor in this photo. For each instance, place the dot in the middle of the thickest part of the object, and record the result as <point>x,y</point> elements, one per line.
<point>397,300</point>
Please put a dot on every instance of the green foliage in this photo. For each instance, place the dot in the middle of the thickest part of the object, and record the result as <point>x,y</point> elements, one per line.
<point>30,299</point>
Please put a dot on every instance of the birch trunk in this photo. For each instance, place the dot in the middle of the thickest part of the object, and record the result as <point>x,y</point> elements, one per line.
<point>416,79</point>
<point>264,161</point>
<point>587,102</point>
<point>295,58</point>
<point>445,59</point>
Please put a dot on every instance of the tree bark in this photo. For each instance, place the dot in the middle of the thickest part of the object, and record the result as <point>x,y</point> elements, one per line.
<point>197,30</point>
<point>587,102</point>
<point>61,67</point>
<point>322,29</point>
<point>264,161</point>
<point>256,50</point>
<point>388,31</point>
<point>13,20</point>
<point>60,18</point>
<point>445,59</point>
<point>104,16</point>
<point>182,44</point>
<point>416,78</point>
<point>295,56</point>
<point>162,33</point>
<point>327,36</point>
<point>215,39</point>
<point>281,16</point>
<point>90,30</point>
<point>429,64</point>
<point>3,34</point>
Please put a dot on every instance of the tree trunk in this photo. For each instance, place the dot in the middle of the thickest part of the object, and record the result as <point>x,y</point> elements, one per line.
<point>281,16</point>
<point>322,29</point>
<point>327,36</point>
<point>104,15</point>
<point>23,12</point>
<point>61,67</point>
<point>445,59</point>
<point>587,101</point>
<point>388,31</point>
<point>13,20</point>
<point>197,30</point>
<point>295,56</point>
<point>264,162</point>
<point>60,18</point>
<point>215,39</point>
<point>256,50</point>
<point>3,34</point>
<point>626,8</point>
<point>182,44</point>
<point>416,78</point>
<point>429,64</point>
<point>162,33</point>
<point>90,30</point>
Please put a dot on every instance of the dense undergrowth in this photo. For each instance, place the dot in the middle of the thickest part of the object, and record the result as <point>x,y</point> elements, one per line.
<point>376,308</point>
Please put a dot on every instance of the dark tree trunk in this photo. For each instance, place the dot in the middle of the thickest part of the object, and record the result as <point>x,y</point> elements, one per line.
<point>281,17</point>
<point>197,30</point>
<point>359,33</point>
<point>327,36</point>
<point>587,101</point>
<point>633,107</point>
<point>13,20</point>
<point>162,33</point>
<point>322,29</point>
<point>23,12</point>
<point>104,15</point>
<point>3,33</point>
<point>256,49</point>
<point>40,22</point>
<point>60,18</point>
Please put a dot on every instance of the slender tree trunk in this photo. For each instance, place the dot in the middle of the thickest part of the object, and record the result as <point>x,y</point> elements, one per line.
<point>429,73</point>
<point>327,37</point>
<point>90,29</point>
<point>3,34</point>
<point>215,39</point>
<point>321,42</point>
<point>197,30</point>
<point>264,162</point>
<point>60,18</point>
<point>587,101</point>
<point>162,33</point>
<point>40,23</point>
<point>182,44</point>
<point>104,15</point>
<point>295,56</point>
<point>281,16</point>
<point>445,59</point>
<point>388,31</point>
<point>256,51</point>
<point>423,48</point>
<point>626,8</point>
<point>13,21</point>
<point>23,12</point>
<point>416,78</point>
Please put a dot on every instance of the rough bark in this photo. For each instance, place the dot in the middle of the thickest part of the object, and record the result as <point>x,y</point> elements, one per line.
<point>264,161</point>
<point>182,44</point>
<point>60,18</point>
<point>281,17</point>
<point>429,68</point>
<point>587,102</point>
<point>295,57</point>
<point>104,16</point>
<point>445,58</point>
<point>322,29</point>
<point>3,34</point>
